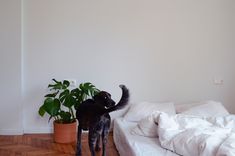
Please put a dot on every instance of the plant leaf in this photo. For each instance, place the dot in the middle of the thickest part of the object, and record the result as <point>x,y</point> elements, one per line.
<point>69,101</point>
<point>65,116</point>
<point>76,92</point>
<point>52,94</point>
<point>58,85</point>
<point>66,83</point>
<point>51,106</point>
<point>55,80</point>
<point>87,89</point>
<point>63,95</point>
<point>41,111</point>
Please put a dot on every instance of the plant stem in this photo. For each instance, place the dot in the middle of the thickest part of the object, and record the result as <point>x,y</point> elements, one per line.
<point>71,111</point>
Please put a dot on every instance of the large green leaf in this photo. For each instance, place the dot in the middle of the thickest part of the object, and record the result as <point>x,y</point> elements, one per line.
<point>69,101</point>
<point>83,89</point>
<point>55,86</point>
<point>88,89</point>
<point>58,85</point>
<point>51,106</point>
<point>63,95</point>
<point>76,92</point>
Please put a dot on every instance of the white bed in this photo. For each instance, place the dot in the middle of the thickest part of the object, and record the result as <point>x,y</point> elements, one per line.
<point>144,140</point>
<point>128,144</point>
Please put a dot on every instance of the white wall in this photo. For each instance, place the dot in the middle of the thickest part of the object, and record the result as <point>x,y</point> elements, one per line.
<point>161,49</point>
<point>10,67</point>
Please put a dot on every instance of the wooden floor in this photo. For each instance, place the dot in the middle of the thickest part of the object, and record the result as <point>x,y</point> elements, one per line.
<point>43,145</point>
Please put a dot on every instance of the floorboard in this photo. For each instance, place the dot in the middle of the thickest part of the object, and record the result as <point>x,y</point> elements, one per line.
<point>43,145</point>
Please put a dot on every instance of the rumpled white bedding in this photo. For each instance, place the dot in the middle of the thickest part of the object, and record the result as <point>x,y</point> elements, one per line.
<point>197,136</point>
<point>128,144</point>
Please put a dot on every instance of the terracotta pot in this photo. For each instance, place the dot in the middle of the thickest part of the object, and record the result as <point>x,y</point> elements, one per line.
<point>65,133</point>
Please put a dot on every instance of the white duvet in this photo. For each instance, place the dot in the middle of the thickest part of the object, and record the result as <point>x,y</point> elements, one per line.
<point>195,136</point>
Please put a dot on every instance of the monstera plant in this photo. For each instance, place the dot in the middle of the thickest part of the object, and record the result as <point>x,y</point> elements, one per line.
<point>63,100</point>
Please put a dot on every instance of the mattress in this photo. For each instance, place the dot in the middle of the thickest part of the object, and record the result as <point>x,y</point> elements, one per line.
<point>128,144</point>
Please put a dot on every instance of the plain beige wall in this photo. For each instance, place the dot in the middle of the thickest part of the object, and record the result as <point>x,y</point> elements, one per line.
<point>163,50</point>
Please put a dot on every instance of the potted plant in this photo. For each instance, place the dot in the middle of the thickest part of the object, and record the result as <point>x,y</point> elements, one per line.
<point>61,103</point>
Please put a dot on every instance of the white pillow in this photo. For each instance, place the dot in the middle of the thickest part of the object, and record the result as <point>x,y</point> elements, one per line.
<point>179,108</point>
<point>210,109</point>
<point>146,126</point>
<point>143,109</point>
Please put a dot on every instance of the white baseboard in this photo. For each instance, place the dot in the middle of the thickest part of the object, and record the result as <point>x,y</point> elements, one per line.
<point>38,130</point>
<point>11,131</point>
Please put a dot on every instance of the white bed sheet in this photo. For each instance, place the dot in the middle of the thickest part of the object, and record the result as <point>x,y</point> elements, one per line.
<point>133,145</point>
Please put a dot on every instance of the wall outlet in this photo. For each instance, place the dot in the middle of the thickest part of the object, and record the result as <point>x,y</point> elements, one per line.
<point>218,81</point>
